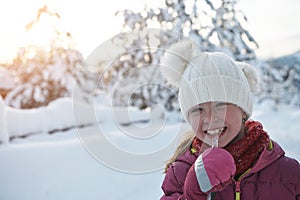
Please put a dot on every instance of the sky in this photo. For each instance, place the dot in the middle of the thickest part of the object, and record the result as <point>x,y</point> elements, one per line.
<point>273,23</point>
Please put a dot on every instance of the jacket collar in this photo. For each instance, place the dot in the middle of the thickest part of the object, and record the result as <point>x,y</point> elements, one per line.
<point>188,156</point>
<point>268,156</point>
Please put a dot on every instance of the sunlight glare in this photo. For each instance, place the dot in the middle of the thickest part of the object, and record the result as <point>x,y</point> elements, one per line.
<point>14,16</point>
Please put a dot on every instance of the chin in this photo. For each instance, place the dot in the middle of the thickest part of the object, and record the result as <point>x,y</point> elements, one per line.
<point>223,144</point>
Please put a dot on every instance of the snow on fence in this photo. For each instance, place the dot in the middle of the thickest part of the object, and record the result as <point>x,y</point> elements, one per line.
<point>4,138</point>
<point>56,116</point>
<point>60,115</point>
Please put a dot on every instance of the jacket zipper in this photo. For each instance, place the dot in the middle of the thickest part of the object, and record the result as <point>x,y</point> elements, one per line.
<point>238,184</point>
<point>237,190</point>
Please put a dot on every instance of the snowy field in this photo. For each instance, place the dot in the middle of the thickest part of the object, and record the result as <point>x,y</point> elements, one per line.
<point>110,156</point>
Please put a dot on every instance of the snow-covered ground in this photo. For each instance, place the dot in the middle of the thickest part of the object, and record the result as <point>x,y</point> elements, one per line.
<point>108,157</point>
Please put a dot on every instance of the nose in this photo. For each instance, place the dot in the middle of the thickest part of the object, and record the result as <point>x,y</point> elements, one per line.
<point>210,117</point>
<point>213,119</point>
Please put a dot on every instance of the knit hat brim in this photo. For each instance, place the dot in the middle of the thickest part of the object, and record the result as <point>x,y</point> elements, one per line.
<point>212,89</point>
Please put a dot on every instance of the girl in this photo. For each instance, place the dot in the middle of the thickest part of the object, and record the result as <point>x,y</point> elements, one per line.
<point>227,156</point>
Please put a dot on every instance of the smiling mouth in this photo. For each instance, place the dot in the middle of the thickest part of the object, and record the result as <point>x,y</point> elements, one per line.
<point>215,131</point>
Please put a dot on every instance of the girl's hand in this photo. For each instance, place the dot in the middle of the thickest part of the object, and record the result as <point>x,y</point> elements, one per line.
<point>213,167</point>
<point>212,171</point>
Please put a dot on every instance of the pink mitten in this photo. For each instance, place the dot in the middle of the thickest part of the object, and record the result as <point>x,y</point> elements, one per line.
<point>214,167</point>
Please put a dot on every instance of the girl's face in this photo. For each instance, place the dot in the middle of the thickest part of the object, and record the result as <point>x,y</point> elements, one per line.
<point>220,118</point>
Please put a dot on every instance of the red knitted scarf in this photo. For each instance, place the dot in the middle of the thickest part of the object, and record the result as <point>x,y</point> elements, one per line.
<point>247,150</point>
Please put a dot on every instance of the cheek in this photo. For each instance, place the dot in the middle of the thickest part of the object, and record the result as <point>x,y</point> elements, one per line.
<point>195,123</point>
<point>196,126</point>
<point>234,121</point>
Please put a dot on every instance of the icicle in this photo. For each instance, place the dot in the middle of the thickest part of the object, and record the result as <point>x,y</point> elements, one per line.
<point>214,140</point>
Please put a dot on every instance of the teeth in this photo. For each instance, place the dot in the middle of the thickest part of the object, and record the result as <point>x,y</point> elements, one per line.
<point>216,131</point>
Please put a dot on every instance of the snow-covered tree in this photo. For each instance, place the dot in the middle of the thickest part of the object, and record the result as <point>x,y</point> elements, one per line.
<point>44,72</point>
<point>7,81</point>
<point>46,76</point>
<point>281,80</point>
<point>134,76</point>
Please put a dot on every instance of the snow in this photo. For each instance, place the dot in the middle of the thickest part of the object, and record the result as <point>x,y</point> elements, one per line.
<point>79,163</point>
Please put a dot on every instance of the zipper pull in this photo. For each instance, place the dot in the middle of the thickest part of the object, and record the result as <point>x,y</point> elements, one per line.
<point>237,190</point>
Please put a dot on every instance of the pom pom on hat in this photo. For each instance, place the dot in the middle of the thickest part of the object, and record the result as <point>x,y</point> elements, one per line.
<point>252,77</point>
<point>175,61</point>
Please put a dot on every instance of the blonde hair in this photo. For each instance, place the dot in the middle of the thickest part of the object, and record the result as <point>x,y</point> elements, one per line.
<point>185,143</point>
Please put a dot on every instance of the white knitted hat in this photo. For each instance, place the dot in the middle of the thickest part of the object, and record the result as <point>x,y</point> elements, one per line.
<point>204,77</point>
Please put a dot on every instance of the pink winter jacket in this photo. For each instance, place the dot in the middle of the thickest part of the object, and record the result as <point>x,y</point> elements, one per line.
<point>273,177</point>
